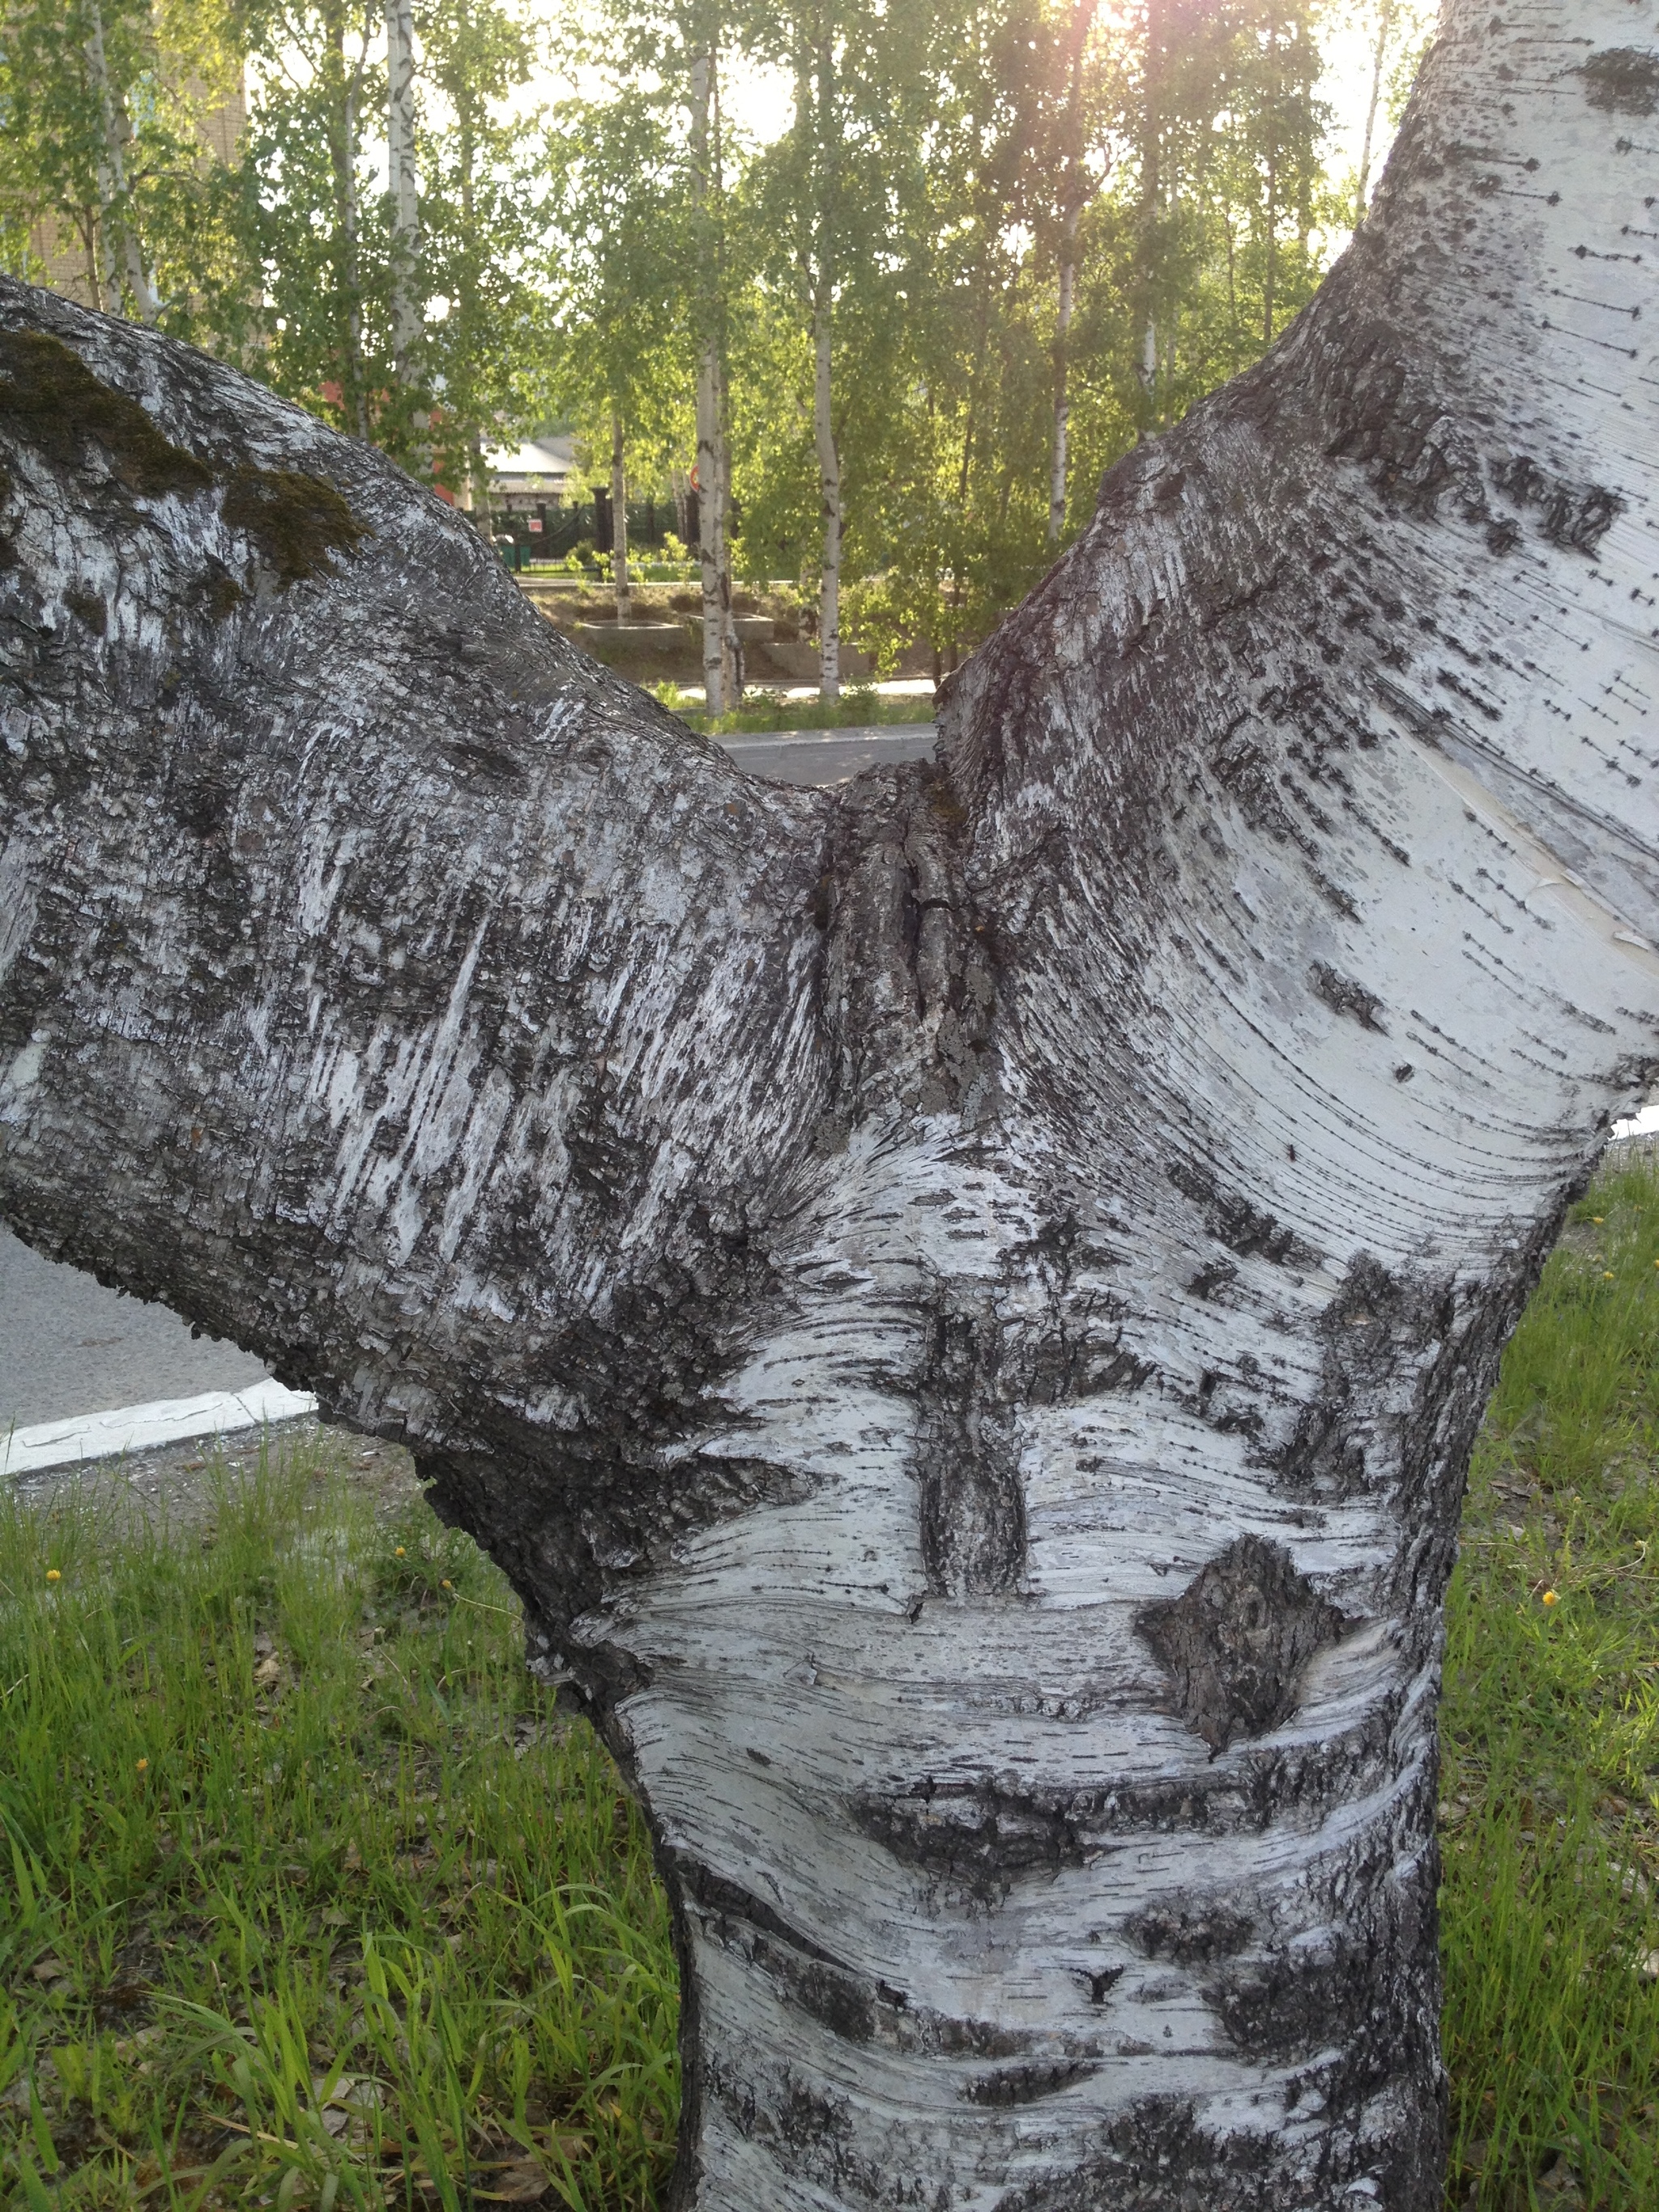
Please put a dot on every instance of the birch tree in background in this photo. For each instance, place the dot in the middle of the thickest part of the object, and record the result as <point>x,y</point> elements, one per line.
<point>961,1302</point>
<point>618,283</point>
<point>408,306</point>
<point>720,662</point>
<point>1076,187</point>
<point>487,197</point>
<point>102,145</point>
<point>818,131</point>
<point>122,246</point>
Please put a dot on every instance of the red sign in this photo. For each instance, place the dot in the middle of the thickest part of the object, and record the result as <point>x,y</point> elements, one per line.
<point>535,522</point>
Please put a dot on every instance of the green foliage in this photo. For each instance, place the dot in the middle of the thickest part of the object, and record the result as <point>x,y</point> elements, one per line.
<point>936,167</point>
<point>1550,1782</point>
<point>856,707</point>
<point>314,1899</point>
<point>168,65</point>
<point>619,211</point>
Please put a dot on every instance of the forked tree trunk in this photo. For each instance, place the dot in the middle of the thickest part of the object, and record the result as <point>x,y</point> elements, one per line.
<point>961,1303</point>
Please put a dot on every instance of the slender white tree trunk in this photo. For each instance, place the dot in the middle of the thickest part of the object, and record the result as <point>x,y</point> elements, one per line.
<point>123,249</point>
<point>406,319</point>
<point>1379,60</point>
<point>619,518</point>
<point>408,309</point>
<point>342,156</point>
<point>711,507</point>
<point>830,498</point>
<point>1058,462</point>
<point>711,532</point>
<point>962,1301</point>
<point>1082,23</point>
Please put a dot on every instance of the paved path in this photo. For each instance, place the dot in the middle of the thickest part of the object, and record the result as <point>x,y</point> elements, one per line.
<point>824,756</point>
<point>68,1347</point>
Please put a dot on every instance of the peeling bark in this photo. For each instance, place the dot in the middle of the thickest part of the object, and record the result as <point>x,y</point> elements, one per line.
<point>963,1303</point>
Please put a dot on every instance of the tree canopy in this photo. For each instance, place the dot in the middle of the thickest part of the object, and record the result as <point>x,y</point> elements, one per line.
<point>947,264</point>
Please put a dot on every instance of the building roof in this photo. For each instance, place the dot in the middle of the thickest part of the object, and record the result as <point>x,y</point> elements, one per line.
<point>552,460</point>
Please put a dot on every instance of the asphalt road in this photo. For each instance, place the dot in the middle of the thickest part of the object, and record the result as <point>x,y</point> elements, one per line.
<point>70,1346</point>
<point>825,757</point>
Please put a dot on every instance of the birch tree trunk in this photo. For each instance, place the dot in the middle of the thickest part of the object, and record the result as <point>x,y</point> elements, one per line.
<point>823,428</point>
<point>1058,463</point>
<point>1151,134</point>
<point>711,509</point>
<point>1083,16</point>
<point>407,319</point>
<point>962,1302</point>
<point>117,230</point>
<point>1374,102</point>
<point>343,162</point>
<point>619,519</point>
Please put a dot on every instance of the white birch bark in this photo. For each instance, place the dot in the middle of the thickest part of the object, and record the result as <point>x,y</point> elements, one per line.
<point>815,123</point>
<point>1058,462</point>
<point>824,430</point>
<point>123,249</point>
<point>711,518</point>
<point>619,519</point>
<point>962,1302</point>
<point>407,320</point>
<point>1073,188</point>
<point>1374,102</point>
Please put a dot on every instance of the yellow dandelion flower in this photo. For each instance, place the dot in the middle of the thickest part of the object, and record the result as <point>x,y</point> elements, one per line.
<point>143,1765</point>
<point>1598,1219</point>
<point>1552,1597</point>
<point>54,1575</point>
<point>1606,1274</point>
<point>399,1553</point>
<point>449,1585</point>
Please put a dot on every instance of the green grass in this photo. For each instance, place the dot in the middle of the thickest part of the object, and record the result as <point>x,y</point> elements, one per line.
<point>314,1901</point>
<point>1549,1785</point>
<point>855,709</point>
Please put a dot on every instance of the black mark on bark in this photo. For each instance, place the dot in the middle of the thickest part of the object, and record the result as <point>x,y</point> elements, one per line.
<point>1344,996</point>
<point>1024,2085</point>
<point>1234,1222</point>
<point>1235,1642</point>
<point>1623,80</point>
<point>1190,1934</point>
<point>967,1462</point>
<point>1378,1327</point>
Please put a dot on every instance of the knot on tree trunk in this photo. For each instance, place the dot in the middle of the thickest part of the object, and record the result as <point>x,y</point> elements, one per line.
<point>1235,1642</point>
